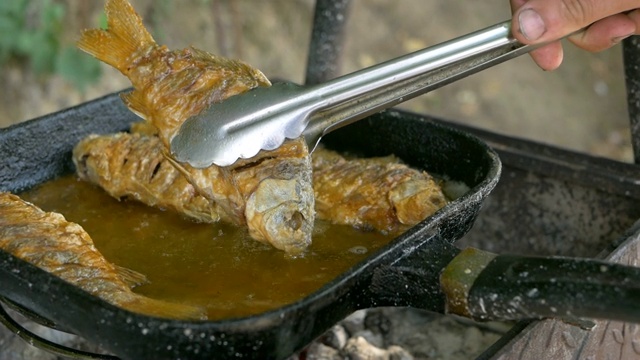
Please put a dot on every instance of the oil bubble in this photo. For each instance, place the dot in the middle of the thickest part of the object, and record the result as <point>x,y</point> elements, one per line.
<point>358,250</point>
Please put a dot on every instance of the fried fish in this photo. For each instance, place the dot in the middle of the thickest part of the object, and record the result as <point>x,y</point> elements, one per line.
<point>48,241</point>
<point>134,166</point>
<point>373,193</point>
<point>277,205</point>
<point>370,193</point>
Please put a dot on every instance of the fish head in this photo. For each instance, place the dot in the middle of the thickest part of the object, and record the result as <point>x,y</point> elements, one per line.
<point>280,212</point>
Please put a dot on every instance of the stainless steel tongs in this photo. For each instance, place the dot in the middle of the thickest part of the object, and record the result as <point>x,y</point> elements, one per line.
<point>262,118</point>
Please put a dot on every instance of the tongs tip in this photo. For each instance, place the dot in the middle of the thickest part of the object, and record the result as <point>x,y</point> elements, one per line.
<point>242,125</point>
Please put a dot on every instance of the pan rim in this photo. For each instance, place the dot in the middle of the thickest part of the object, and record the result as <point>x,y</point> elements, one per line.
<point>271,318</point>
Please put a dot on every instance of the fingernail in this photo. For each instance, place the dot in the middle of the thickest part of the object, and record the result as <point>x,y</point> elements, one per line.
<point>619,39</point>
<point>531,24</point>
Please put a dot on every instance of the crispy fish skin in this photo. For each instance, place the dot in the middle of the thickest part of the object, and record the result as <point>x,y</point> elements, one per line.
<point>169,86</point>
<point>172,86</point>
<point>134,166</point>
<point>48,241</point>
<point>279,196</point>
<point>373,193</point>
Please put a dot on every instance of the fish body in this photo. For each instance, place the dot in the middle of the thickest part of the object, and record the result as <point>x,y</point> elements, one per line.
<point>62,248</point>
<point>279,194</point>
<point>133,166</point>
<point>380,193</point>
<point>172,86</point>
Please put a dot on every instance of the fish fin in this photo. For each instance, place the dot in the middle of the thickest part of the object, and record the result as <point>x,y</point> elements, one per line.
<point>180,167</point>
<point>125,34</point>
<point>166,309</point>
<point>143,128</point>
<point>130,277</point>
<point>135,103</point>
<point>182,170</point>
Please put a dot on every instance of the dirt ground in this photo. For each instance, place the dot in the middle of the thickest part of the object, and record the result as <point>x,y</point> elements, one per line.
<point>581,106</point>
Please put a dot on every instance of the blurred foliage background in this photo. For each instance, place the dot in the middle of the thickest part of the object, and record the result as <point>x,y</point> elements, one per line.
<point>36,39</point>
<point>581,106</point>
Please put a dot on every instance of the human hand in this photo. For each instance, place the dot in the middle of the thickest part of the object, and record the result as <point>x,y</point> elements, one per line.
<point>606,23</point>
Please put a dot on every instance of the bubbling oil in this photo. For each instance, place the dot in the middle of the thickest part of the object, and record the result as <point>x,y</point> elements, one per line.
<point>217,266</point>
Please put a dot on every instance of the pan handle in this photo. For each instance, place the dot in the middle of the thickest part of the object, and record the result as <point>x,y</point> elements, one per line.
<point>486,286</point>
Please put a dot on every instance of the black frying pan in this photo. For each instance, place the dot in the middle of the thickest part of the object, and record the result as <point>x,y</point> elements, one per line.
<point>421,268</point>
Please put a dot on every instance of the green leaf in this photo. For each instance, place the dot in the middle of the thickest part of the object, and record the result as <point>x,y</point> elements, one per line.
<point>39,44</point>
<point>51,18</point>
<point>77,68</point>
<point>13,7</point>
<point>102,20</point>
<point>42,51</point>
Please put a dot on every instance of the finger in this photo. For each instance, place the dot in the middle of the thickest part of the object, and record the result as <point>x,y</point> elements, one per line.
<point>548,57</point>
<point>546,20</point>
<point>605,33</point>
<point>635,17</point>
<point>516,4</point>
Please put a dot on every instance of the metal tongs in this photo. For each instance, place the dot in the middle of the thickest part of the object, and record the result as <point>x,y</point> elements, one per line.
<point>262,118</point>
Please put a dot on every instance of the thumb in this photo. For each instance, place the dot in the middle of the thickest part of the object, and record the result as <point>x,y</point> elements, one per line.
<point>546,20</point>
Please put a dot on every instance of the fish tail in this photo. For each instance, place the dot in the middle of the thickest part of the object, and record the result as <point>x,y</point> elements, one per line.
<point>125,35</point>
<point>165,309</point>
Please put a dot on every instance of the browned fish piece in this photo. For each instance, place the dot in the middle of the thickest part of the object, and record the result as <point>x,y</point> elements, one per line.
<point>373,193</point>
<point>279,195</point>
<point>143,128</point>
<point>48,241</point>
<point>134,166</point>
<point>171,86</point>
